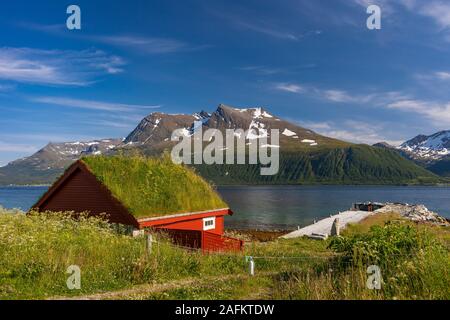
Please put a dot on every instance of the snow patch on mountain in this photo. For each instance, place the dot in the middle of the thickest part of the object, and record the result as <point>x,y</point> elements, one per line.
<point>311,142</point>
<point>256,130</point>
<point>257,113</point>
<point>288,133</point>
<point>431,147</point>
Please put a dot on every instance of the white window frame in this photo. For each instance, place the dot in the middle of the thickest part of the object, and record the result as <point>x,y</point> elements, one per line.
<point>210,227</point>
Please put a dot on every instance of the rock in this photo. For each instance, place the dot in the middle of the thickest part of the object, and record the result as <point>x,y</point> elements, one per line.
<point>318,236</point>
<point>417,212</point>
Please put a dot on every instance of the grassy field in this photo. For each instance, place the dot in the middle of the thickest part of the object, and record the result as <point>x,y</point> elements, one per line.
<point>36,250</point>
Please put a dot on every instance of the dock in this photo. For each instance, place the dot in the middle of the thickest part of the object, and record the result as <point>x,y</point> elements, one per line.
<point>323,227</point>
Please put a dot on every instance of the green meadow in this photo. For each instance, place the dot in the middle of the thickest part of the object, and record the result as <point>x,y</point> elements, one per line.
<point>36,250</point>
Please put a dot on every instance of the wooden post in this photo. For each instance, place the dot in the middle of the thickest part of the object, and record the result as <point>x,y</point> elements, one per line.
<point>335,228</point>
<point>149,243</point>
<point>251,265</point>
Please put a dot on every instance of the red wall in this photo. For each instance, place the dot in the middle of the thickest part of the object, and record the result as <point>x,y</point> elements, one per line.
<point>188,222</point>
<point>194,224</point>
<point>81,192</point>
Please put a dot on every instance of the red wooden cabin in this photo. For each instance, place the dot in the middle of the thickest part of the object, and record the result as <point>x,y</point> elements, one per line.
<point>79,190</point>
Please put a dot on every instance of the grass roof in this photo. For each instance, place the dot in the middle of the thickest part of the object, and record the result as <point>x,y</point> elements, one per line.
<point>151,187</point>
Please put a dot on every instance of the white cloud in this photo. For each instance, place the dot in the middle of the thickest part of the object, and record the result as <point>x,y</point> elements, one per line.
<point>409,4</point>
<point>267,30</point>
<point>439,11</point>
<point>433,76</point>
<point>289,87</point>
<point>56,67</point>
<point>335,95</point>
<point>316,126</point>
<point>91,104</point>
<point>12,147</point>
<point>439,113</point>
<point>112,124</point>
<point>275,32</point>
<point>352,131</point>
<point>145,44</point>
<point>40,138</point>
<point>262,70</point>
<point>263,26</point>
<point>338,96</point>
<point>442,75</point>
<point>137,43</point>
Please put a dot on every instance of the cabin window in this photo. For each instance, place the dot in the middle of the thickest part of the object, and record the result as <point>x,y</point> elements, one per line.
<point>209,223</point>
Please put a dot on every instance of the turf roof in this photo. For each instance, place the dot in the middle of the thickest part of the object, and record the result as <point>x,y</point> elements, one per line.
<point>152,187</point>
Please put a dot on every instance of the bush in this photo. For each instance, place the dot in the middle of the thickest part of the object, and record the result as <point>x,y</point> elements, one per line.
<point>382,244</point>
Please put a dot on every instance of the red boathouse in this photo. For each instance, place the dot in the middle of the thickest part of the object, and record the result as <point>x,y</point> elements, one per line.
<point>144,193</point>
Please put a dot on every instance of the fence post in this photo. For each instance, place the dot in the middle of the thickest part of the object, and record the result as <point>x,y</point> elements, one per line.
<point>251,265</point>
<point>335,228</point>
<point>149,243</point>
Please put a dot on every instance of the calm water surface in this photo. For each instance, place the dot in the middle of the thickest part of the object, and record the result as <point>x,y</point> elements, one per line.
<point>283,206</point>
<point>291,206</point>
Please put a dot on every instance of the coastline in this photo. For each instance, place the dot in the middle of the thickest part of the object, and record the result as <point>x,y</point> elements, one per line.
<point>24,185</point>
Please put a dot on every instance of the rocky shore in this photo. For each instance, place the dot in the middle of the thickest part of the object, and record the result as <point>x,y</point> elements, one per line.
<point>414,212</point>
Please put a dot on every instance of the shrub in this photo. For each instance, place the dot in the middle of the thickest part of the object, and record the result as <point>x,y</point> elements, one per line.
<point>382,244</point>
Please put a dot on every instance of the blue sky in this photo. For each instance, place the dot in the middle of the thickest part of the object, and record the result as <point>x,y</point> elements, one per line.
<point>312,62</point>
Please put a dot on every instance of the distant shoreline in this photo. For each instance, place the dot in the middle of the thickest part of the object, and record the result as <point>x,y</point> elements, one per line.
<point>24,185</point>
<point>443,185</point>
<point>440,185</point>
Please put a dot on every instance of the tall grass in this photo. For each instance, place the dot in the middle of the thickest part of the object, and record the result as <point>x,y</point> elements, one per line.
<point>413,265</point>
<point>36,250</point>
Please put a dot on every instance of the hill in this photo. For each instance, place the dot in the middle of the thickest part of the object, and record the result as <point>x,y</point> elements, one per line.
<point>356,164</point>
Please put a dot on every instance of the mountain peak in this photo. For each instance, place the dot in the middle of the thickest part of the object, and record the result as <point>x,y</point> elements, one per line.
<point>254,112</point>
<point>431,147</point>
<point>383,144</point>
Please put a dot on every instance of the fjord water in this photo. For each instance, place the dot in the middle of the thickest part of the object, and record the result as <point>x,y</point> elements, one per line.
<point>20,197</point>
<point>291,206</point>
<point>272,207</point>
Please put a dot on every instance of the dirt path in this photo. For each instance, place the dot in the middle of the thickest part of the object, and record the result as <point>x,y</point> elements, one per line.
<point>147,289</point>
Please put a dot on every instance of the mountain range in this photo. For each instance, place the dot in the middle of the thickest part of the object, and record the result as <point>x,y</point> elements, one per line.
<point>306,157</point>
<point>48,163</point>
<point>431,152</point>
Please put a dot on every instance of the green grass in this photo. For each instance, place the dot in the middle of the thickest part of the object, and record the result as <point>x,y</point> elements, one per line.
<point>154,186</point>
<point>36,250</point>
